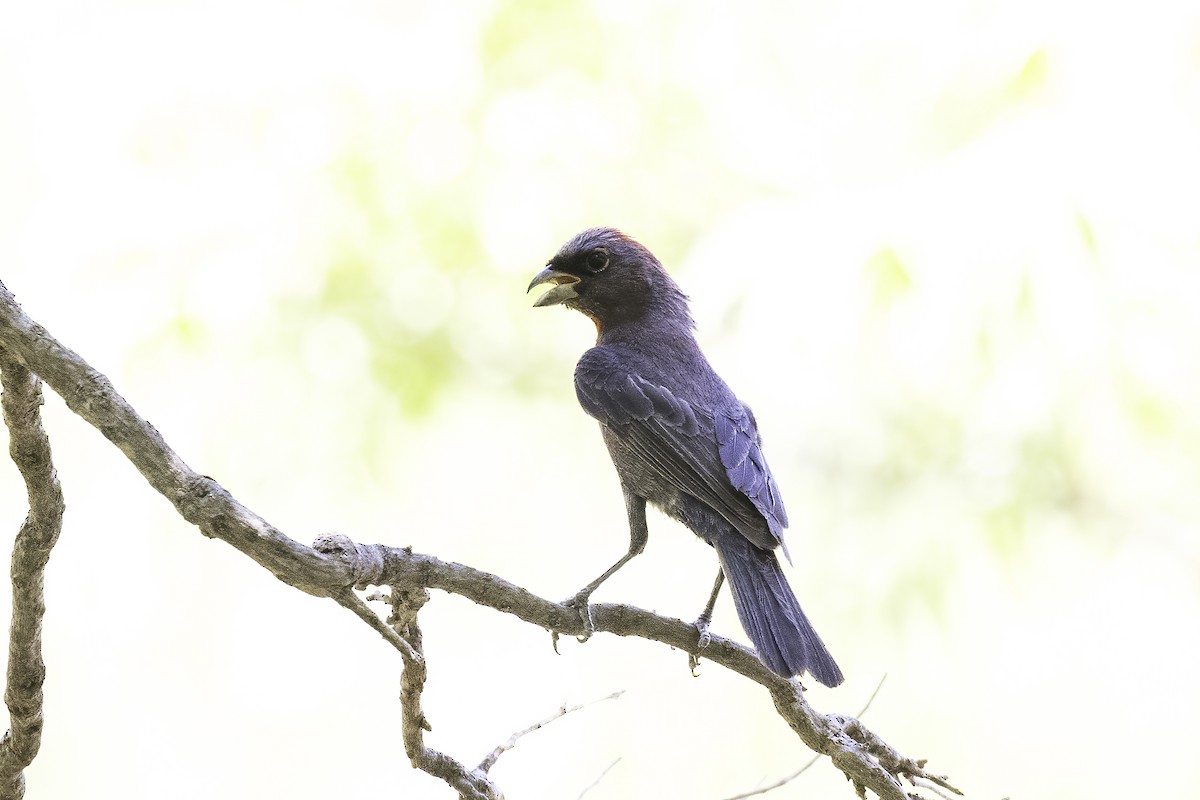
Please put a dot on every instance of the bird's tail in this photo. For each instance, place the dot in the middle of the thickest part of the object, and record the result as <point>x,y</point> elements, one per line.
<point>782,635</point>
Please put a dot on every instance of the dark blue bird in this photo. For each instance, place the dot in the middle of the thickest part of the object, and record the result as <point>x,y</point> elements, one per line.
<point>680,439</point>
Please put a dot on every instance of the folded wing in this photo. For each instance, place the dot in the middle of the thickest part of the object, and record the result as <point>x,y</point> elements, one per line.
<point>713,455</point>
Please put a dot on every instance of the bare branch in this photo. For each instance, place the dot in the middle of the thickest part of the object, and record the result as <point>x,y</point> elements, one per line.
<point>865,759</point>
<point>491,758</point>
<point>470,784</point>
<point>895,765</point>
<point>336,563</point>
<point>198,499</point>
<point>30,450</point>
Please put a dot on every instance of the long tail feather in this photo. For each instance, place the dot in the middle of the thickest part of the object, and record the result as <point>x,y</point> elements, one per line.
<point>769,612</point>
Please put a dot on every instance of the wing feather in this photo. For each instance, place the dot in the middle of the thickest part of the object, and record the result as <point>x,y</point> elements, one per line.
<point>741,453</point>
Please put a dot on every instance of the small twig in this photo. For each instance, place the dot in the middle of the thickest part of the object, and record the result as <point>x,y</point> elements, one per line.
<point>490,759</point>
<point>785,781</point>
<point>30,450</point>
<point>599,778</point>
<point>924,784</point>
<point>862,712</point>
<point>348,599</point>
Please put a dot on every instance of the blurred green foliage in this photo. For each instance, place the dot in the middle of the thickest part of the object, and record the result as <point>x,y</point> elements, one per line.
<point>973,104</point>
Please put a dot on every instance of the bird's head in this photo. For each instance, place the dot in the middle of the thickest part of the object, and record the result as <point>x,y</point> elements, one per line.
<point>611,278</point>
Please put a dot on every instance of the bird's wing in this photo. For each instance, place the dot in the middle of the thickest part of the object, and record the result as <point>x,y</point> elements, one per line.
<point>740,446</point>
<point>716,460</point>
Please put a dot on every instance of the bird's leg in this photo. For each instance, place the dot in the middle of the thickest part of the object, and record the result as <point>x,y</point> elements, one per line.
<point>705,618</point>
<point>635,507</point>
<point>703,621</point>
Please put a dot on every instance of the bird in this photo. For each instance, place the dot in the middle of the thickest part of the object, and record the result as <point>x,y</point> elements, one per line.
<point>680,440</point>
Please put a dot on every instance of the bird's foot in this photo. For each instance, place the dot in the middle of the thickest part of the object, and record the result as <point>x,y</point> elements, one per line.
<point>704,639</point>
<point>701,624</point>
<point>579,602</point>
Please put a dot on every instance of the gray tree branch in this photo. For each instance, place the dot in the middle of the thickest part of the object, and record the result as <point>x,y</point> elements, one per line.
<point>471,784</point>
<point>30,450</point>
<point>335,564</point>
<point>198,499</point>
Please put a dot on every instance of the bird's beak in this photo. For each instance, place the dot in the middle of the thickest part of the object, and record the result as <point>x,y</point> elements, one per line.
<point>564,287</point>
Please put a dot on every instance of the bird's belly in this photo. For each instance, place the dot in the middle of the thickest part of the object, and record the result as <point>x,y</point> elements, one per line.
<point>645,480</point>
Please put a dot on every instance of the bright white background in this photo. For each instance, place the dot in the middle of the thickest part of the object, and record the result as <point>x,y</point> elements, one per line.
<point>949,251</point>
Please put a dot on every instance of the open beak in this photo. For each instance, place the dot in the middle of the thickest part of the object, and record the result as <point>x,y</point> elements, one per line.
<point>564,287</point>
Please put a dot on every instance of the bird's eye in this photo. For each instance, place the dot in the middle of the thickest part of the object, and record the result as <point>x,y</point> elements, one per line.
<point>597,260</point>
